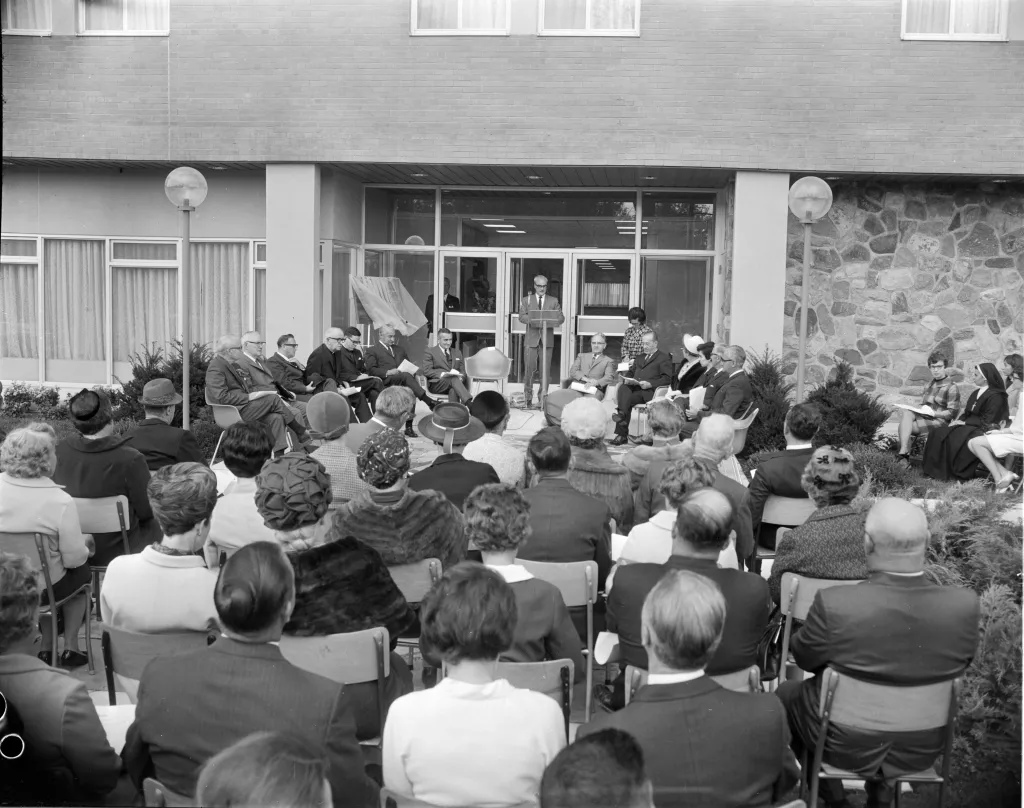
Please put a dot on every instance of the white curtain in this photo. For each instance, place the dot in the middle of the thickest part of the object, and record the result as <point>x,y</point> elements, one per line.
<point>142,15</point>
<point>437,14</point>
<point>26,15</point>
<point>484,15</point>
<point>218,289</point>
<point>260,285</point>
<point>565,15</point>
<point>148,15</point>
<point>976,17</point>
<point>927,16</point>
<point>103,15</point>
<point>74,295</point>
<point>145,308</point>
<point>618,15</point>
<point>18,319</point>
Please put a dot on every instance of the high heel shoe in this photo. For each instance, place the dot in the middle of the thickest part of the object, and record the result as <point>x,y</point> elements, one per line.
<point>1005,483</point>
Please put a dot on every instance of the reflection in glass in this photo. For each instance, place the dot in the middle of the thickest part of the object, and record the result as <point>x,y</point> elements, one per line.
<point>473,280</point>
<point>674,294</point>
<point>678,222</point>
<point>416,272</point>
<point>396,216</point>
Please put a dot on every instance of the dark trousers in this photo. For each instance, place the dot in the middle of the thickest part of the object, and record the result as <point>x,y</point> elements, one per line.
<point>370,388</point>
<point>627,397</point>
<point>453,386</point>
<point>363,697</point>
<point>274,414</point>
<point>532,369</point>
<point>404,380</point>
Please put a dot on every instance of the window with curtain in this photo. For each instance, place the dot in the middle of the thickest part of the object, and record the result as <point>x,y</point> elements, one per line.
<point>129,16</point>
<point>218,289</point>
<point>75,299</point>
<point>25,16</point>
<point>595,17</point>
<point>460,16</point>
<point>259,285</point>
<point>954,19</point>
<point>19,309</point>
<point>144,296</point>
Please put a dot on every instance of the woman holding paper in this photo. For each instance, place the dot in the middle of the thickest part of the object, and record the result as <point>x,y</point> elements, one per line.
<point>939,405</point>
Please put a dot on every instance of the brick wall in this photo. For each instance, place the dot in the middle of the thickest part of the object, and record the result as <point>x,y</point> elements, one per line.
<point>779,84</point>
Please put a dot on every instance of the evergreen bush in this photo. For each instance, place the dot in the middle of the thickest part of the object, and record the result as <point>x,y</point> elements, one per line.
<point>152,363</point>
<point>771,394</point>
<point>848,415</point>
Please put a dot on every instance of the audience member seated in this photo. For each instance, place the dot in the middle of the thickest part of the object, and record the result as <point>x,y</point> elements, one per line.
<point>236,520</point>
<point>649,370</point>
<point>395,407</point>
<point>341,585</point>
<point>651,542</point>
<point>692,368</point>
<point>830,544</point>
<point>506,458</point>
<point>1013,370</point>
<point>946,454</point>
<point>498,523</point>
<point>602,770</point>
<point>267,768</point>
<point>701,531</point>
<point>192,706</point>
<point>329,416</point>
<point>31,502</point>
<point>473,739</point>
<point>941,395</point>
<point>97,463</point>
<point>337,363</point>
<point>66,745</point>
<point>712,443</point>
<point>683,719</point>
<point>711,378</point>
<point>1007,442</point>
<point>896,628</point>
<point>665,422</point>
<point>167,587</point>
<point>781,474</point>
<point>445,369</point>
<point>160,443</point>
<point>290,373</point>
<point>403,525</point>
<point>451,427</point>
<point>633,339</point>
<point>593,370</point>
<point>383,360</point>
<point>262,376</point>
<point>229,382</point>
<point>732,394</point>
<point>592,471</point>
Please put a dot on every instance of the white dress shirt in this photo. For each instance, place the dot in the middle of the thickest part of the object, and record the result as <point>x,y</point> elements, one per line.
<point>673,678</point>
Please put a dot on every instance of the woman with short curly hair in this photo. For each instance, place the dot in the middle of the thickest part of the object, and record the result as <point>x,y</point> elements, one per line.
<point>665,421</point>
<point>498,523</point>
<point>60,724</point>
<point>30,502</point>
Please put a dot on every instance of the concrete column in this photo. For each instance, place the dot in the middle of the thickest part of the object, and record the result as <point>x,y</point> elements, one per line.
<point>759,261</point>
<point>293,244</point>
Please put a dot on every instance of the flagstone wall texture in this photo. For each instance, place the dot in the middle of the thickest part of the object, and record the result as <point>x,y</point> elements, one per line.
<point>900,270</point>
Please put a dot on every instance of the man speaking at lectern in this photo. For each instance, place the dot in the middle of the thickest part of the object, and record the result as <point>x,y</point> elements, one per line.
<point>538,301</point>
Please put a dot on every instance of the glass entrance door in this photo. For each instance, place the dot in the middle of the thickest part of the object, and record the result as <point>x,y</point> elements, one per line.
<point>523,274</point>
<point>470,308</point>
<point>600,297</point>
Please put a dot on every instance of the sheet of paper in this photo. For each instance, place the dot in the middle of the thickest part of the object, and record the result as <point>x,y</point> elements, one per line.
<point>623,367</point>
<point>362,377</point>
<point>606,647</point>
<point>348,391</point>
<point>697,398</point>
<point>618,542</point>
<point>926,411</point>
<point>408,367</point>
<point>580,387</point>
<point>116,719</point>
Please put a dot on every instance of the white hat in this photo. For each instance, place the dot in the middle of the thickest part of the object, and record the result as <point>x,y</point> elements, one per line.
<point>691,342</point>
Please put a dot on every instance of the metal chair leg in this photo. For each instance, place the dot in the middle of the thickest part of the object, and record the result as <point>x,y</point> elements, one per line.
<point>88,631</point>
<point>216,448</point>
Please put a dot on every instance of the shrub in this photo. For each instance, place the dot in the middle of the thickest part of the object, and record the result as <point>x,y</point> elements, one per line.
<point>848,415</point>
<point>771,394</point>
<point>22,398</point>
<point>151,363</point>
<point>17,399</point>
<point>883,473</point>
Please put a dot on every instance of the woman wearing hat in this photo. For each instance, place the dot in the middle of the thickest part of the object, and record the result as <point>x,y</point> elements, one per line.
<point>830,544</point>
<point>692,368</point>
<point>329,415</point>
<point>403,525</point>
<point>341,585</point>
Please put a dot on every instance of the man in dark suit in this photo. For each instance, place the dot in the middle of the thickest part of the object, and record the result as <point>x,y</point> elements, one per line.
<point>451,303</point>
<point>733,393</point>
<point>896,628</point>
<point>338,361</point>
<point>684,720</point>
<point>228,382</point>
<point>291,375</point>
<point>712,443</point>
<point>445,370</point>
<point>451,427</point>
<point>780,472</point>
<point>701,531</point>
<point>262,376</point>
<point>651,369</point>
<point>160,443</point>
<point>383,359</point>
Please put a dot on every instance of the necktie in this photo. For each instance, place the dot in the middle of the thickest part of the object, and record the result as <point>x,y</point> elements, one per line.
<point>448,358</point>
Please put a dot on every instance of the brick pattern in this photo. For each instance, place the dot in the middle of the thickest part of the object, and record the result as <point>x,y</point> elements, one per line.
<point>787,85</point>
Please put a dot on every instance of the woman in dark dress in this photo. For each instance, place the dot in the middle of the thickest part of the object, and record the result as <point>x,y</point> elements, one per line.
<point>946,455</point>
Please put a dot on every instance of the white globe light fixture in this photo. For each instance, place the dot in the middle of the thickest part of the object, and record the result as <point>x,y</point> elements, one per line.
<point>186,189</point>
<point>810,198</point>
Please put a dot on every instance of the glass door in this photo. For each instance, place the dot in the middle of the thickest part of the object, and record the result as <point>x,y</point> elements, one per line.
<point>523,272</point>
<point>600,296</point>
<point>675,292</point>
<point>469,308</point>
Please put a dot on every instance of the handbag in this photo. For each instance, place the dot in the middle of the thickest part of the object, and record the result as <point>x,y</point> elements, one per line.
<point>769,647</point>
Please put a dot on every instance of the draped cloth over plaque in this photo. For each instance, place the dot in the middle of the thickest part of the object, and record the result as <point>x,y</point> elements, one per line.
<point>386,301</point>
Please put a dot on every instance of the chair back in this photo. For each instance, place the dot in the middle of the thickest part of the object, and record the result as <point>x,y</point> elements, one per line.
<point>745,680</point>
<point>576,580</point>
<point>789,511</point>
<point>33,547</point>
<point>553,678</point>
<point>489,364</point>
<point>873,707</point>
<point>635,679</point>
<point>389,799</point>
<point>416,579</point>
<point>103,514</point>
<point>795,602</point>
<point>740,427</point>
<point>661,392</point>
<point>350,658</point>
<point>157,795</point>
<point>224,415</point>
<point>126,654</point>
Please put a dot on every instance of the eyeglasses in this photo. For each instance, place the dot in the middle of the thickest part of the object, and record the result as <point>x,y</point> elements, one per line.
<point>291,345</point>
<point>249,342</point>
<point>540,286</point>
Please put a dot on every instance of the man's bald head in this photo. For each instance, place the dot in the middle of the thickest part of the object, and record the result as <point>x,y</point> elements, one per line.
<point>895,536</point>
<point>703,522</point>
<point>713,439</point>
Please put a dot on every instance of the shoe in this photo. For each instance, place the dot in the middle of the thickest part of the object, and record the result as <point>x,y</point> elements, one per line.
<point>46,656</point>
<point>73,659</point>
<point>1005,483</point>
<point>429,402</point>
<point>618,440</point>
<point>410,432</point>
<point>616,417</point>
<point>604,697</point>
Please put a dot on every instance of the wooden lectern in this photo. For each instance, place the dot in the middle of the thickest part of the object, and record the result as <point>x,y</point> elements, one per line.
<point>546,320</point>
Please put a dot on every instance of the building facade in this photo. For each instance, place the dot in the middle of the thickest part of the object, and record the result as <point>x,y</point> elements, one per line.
<point>635,152</point>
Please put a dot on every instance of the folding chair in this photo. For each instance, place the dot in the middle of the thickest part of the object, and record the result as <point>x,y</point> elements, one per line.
<point>350,658</point>
<point>553,678</point>
<point>126,654</point>
<point>414,581</point>
<point>103,515</point>
<point>157,795</point>
<point>860,705</point>
<point>488,365</point>
<point>437,398</point>
<point>782,511</point>
<point>797,596</point>
<point>740,427</point>
<point>641,411</point>
<point>33,547</point>
<point>746,680</point>
<point>577,581</point>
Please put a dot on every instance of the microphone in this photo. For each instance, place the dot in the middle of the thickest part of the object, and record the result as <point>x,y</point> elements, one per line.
<point>12,745</point>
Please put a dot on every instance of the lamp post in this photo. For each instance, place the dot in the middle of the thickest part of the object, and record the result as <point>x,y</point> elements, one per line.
<point>186,189</point>
<point>810,198</point>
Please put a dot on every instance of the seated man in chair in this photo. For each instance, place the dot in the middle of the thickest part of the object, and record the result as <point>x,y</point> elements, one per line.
<point>650,370</point>
<point>592,369</point>
<point>733,393</point>
<point>383,360</point>
<point>445,369</point>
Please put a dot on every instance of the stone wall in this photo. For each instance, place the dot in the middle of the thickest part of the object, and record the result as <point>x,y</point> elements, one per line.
<point>900,270</point>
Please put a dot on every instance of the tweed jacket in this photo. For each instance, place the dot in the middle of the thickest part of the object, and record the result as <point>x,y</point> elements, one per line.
<point>228,382</point>
<point>830,544</point>
<point>288,373</point>
<point>340,462</point>
<point>405,526</point>
<point>263,377</point>
<point>599,367</point>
